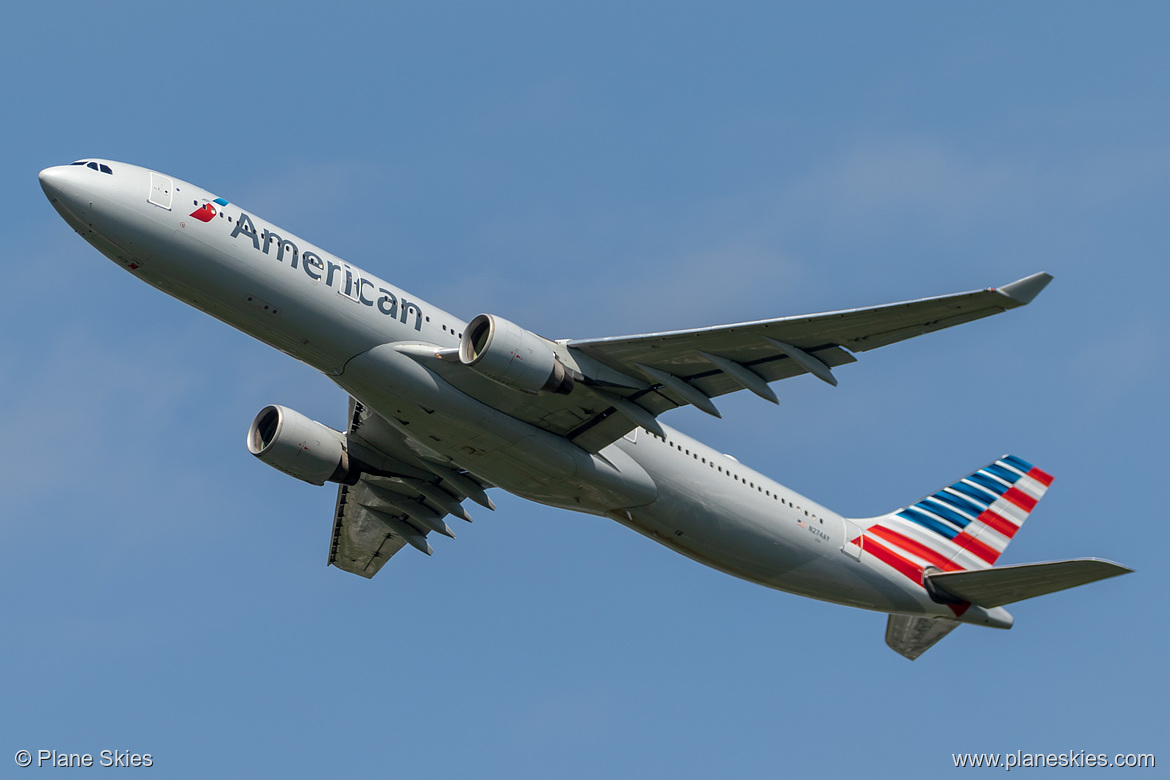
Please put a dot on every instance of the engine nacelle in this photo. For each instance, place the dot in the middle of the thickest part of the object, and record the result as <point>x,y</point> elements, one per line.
<point>517,358</point>
<point>302,448</point>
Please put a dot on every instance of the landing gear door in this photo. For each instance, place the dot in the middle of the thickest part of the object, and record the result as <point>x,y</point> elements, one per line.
<point>854,541</point>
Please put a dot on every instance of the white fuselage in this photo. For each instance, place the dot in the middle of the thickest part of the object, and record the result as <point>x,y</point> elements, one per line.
<point>354,327</point>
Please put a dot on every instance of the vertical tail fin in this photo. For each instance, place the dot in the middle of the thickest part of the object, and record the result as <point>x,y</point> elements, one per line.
<point>966,525</point>
<point>911,636</point>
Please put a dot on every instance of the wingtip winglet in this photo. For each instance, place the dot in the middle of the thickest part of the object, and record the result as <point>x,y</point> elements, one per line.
<point>1115,569</point>
<point>1023,291</point>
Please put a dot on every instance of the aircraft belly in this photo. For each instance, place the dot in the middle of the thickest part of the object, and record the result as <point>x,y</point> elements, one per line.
<point>715,521</point>
<point>768,559</point>
<point>516,456</point>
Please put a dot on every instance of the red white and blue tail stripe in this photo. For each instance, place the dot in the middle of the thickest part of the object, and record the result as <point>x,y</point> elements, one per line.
<point>966,525</point>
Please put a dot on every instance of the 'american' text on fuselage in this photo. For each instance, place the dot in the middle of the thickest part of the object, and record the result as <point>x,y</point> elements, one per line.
<point>317,268</point>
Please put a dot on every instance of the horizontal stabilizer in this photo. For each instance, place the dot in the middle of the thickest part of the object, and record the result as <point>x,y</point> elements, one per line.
<point>911,636</point>
<point>1008,584</point>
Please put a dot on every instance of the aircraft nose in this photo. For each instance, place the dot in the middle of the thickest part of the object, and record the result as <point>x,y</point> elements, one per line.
<point>53,181</point>
<point>67,189</point>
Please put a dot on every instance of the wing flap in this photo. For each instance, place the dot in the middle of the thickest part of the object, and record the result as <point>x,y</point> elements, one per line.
<point>361,542</point>
<point>769,363</point>
<point>1009,584</point>
<point>401,504</point>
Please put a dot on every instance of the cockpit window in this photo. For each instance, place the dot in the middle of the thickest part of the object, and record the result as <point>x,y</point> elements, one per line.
<point>102,167</point>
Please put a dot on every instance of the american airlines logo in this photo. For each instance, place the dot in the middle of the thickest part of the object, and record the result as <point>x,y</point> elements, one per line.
<point>207,212</point>
<point>349,281</point>
<point>204,213</point>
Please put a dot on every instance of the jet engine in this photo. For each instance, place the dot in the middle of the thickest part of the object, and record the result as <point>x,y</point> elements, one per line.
<point>302,448</point>
<point>516,358</point>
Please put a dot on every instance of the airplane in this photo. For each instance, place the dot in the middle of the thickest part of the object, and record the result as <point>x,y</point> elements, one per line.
<point>442,409</point>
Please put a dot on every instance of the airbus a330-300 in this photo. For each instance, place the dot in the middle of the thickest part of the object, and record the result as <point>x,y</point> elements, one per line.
<point>441,410</point>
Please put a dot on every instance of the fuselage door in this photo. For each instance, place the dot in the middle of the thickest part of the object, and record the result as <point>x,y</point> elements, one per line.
<point>351,285</point>
<point>853,542</point>
<point>161,190</point>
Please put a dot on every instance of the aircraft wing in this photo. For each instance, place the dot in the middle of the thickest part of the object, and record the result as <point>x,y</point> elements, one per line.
<point>408,497</point>
<point>692,366</point>
<point>627,381</point>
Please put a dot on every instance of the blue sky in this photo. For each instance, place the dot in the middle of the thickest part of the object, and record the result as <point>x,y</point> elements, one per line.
<point>586,171</point>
